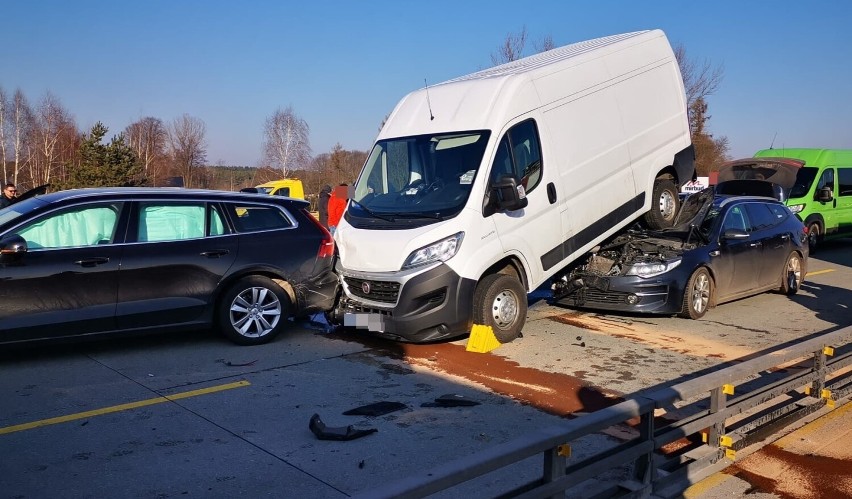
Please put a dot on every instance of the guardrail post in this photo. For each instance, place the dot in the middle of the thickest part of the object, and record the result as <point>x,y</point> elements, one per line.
<point>554,466</point>
<point>819,368</point>
<point>643,469</point>
<point>718,401</point>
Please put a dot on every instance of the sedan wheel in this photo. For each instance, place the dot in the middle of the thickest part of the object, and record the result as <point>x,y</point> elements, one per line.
<point>791,278</point>
<point>697,295</point>
<point>253,311</point>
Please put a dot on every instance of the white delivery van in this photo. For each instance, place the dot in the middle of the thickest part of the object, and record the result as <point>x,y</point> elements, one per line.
<point>480,189</point>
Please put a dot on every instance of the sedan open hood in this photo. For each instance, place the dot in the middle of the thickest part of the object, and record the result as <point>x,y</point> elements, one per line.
<point>780,171</point>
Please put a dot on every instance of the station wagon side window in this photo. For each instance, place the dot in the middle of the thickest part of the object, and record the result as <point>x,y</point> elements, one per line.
<point>519,154</point>
<point>761,217</point>
<point>735,219</point>
<point>844,181</point>
<point>255,218</point>
<point>80,226</point>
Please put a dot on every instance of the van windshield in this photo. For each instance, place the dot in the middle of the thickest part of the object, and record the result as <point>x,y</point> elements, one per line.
<point>428,176</point>
<point>804,179</point>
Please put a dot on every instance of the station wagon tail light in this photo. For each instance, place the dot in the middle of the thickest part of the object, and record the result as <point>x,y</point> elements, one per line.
<point>326,249</point>
<point>652,269</point>
<point>796,208</point>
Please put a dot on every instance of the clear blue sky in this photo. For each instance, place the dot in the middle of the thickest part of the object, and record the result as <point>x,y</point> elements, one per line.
<point>343,65</point>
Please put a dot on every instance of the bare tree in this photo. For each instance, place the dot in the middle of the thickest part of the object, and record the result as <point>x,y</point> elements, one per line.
<point>4,111</point>
<point>148,138</point>
<point>544,44</point>
<point>187,147</point>
<point>53,140</point>
<point>700,80</point>
<point>286,141</point>
<point>511,49</point>
<point>21,118</point>
<point>514,45</point>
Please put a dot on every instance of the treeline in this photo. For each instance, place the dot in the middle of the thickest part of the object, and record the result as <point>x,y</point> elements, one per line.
<point>42,144</point>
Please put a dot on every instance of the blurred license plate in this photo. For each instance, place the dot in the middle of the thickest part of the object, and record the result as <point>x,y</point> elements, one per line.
<point>370,322</point>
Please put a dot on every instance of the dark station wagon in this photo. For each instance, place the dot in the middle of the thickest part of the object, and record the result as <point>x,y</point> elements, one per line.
<point>722,247</point>
<point>88,262</point>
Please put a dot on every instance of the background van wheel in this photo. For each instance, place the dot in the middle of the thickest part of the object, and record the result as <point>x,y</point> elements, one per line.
<point>253,311</point>
<point>814,236</point>
<point>664,205</point>
<point>698,295</point>
<point>791,277</point>
<point>500,301</point>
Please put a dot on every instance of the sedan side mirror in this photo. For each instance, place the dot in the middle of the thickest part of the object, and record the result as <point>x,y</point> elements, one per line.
<point>12,248</point>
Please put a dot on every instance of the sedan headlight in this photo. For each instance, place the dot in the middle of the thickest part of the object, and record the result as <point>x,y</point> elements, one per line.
<point>651,269</point>
<point>442,251</point>
<point>796,208</point>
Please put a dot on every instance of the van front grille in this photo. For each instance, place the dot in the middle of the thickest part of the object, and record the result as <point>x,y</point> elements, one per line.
<point>368,289</point>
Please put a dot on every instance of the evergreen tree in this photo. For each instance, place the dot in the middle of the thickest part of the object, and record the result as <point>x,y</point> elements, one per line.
<point>105,165</point>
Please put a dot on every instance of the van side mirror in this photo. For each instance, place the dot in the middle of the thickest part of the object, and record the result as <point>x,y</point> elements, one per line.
<point>824,195</point>
<point>509,195</point>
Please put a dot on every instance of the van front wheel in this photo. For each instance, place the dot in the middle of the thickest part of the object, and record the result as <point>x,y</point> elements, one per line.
<point>664,205</point>
<point>500,301</point>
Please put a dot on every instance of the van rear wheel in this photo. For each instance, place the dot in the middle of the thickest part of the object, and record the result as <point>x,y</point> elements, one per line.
<point>500,301</point>
<point>664,205</point>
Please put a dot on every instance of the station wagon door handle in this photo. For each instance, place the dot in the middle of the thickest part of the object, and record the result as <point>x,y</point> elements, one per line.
<point>215,253</point>
<point>92,262</point>
<point>785,237</point>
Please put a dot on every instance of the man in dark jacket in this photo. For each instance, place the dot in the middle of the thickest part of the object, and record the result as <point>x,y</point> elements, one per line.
<point>9,193</point>
<point>322,205</point>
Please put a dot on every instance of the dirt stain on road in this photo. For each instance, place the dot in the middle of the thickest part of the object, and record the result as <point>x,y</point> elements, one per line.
<point>795,476</point>
<point>555,393</point>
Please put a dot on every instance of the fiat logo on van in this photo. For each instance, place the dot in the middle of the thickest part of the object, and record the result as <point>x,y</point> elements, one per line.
<point>365,287</point>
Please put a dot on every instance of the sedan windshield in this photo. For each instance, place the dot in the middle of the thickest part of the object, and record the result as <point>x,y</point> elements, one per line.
<point>422,176</point>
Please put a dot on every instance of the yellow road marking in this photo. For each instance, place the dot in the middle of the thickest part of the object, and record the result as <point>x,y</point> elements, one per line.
<point>818,272</point>
<point>121,407</point>
<point>706,485</point>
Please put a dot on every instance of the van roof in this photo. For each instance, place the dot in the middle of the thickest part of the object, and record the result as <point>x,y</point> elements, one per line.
<point>488,99</point>
<point>811,156</point>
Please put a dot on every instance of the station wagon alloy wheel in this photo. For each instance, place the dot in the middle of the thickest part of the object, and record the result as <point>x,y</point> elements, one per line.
<point>698,294</point>
<point>254,310</point>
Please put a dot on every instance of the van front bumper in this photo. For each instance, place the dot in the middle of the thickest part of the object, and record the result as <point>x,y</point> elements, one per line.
<point>415,306</point>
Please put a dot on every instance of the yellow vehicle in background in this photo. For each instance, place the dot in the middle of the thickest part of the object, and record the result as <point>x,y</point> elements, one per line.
<point>289,187</point>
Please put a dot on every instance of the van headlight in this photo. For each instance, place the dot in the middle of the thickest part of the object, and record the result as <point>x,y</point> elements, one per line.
<point>442,251</point>
<point>651,269</point>
<point>796,208</point>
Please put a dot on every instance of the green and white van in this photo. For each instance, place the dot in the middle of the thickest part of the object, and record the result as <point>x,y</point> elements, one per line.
<point>817,185</point>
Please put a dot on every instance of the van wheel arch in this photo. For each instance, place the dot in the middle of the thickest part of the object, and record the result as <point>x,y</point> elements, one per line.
<point>816,231</point>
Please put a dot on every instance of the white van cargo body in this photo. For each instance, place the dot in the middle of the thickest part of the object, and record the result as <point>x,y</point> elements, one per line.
<point>480,189</point>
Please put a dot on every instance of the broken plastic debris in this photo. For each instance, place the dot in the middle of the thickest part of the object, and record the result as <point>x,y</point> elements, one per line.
<point>324,432</point>
<point>376,409</point>
<point>450,400</point>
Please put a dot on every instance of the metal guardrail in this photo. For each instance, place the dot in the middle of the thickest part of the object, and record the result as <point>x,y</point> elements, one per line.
<point>723,412</point>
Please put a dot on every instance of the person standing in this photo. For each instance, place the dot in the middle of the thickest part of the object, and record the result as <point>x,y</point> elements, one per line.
<point>322,205</point>
<point>336,206</point>
<point>8,196</point>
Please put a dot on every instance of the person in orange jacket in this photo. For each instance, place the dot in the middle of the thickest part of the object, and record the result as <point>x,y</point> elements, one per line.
<point>336,205</point>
